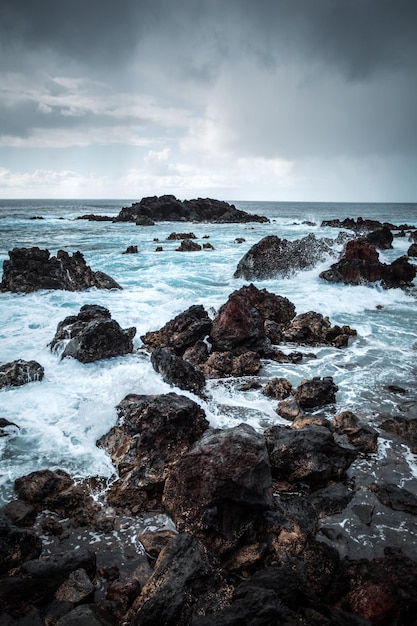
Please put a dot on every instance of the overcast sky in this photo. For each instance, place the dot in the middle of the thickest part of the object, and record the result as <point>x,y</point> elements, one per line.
<point>234,99</point>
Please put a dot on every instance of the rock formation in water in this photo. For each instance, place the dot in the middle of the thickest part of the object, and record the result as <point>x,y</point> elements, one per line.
<point>20,372</point>
<point>31,269</point>
<point>92,335</point>
<point>169,208</point>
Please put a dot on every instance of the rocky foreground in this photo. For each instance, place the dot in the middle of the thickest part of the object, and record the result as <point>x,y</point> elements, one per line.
<point>273,527</point>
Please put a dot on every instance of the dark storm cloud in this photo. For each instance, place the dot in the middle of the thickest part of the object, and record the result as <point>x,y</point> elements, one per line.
<point>358,36</point>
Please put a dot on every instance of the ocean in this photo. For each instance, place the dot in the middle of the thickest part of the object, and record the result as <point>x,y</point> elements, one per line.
<point>59,419</point>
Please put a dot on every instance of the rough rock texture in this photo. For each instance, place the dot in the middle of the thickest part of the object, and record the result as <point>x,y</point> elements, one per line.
<point>169,208</point>
<point>224,364</point>
<point>363,225</point>
<point>187,581</point>
<point>360,265</point>
<point>381,238</point>
<point>403,427</point>
<point>363,437</point>
<point>92,335</point>
<point>279,388</point>
<point>273,256</point>
<point>176,371</point>
<point>31,269</point>
<point>220,488</point>
<point>17,545</point>
<point>315,392</point>
<point>239,323</point>
<point>181,332</point>
<point>313,329</point>
<point>188,245</point>
<point>412,250</point>
<point>19,373</point>
<point>151,434</point>
<point>309,455</point>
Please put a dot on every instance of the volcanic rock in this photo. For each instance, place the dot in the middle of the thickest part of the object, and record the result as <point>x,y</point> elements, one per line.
<point>92,335</point>
<point>169,208</point>
<point>176,371</point>
<point>360,265</point>
<point>131,250</point>
<point>277,388</point>
<point>152,432</point>
<point>187,581</point>
<point>381,238</point>
<point>188,245</point>
<point>239,323</point>
<point>17,545</point>
<point>364,438</point>
<point>403,427</point>
<point>309,455</point>
<point>412,250</point>
<point>19,373</point>
<point>273,256</point>
<point>221,487</point>
<point>31,269</point>
<point>313,329</point>
<point>181,332</point>
<point>315,392</point>
<point>224,364</point>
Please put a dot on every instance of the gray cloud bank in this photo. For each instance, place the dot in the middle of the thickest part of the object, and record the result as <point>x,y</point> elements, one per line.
<point>314,96</point>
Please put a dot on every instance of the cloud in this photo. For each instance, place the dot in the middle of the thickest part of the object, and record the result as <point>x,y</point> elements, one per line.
<point>220,94</point>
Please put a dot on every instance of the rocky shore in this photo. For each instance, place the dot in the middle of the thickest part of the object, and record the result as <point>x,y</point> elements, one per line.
<point>296,524</point>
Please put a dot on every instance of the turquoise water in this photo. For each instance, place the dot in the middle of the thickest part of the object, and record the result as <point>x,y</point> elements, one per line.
<point>60,418</point>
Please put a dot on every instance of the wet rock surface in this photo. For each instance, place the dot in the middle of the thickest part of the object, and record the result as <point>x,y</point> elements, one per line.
<point>31,269</point>
<point>360,265</point>
<point>273,256</point>
<point>92,335</point>
<point>20,372</point>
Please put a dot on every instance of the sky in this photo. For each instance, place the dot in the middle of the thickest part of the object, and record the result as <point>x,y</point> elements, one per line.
<point>281,100</point>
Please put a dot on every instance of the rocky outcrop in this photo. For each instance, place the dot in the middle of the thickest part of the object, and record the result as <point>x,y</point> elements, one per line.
<point>315,392</point>
<point>221,487</point>
<point>176,371</point>
<point>20,372</point>
<point>310,455</point>
<point>273,256</point>
<point>363,225</point>
<point>187,245</point>
<point>360,265</point>
<point>152,432</point>
<point>239,323</point>
<point>31,269</point>
<point>381,238</point>
<point>246,328</point>
<point>92,335</point>
<point>169,208</point>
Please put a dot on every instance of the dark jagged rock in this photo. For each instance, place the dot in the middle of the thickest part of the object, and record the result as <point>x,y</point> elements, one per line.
<point>176,371</point>
<point>313,329</point>
<point>151,434</point>
<point>86,615</point>
<point>396,498</point>
<point>273,256</point>
<point>37,580</point>
<point>19,373</point>
<point>224,364</point>
<point>315,392</point>
<point>309,455</point>
<point>17,545</point>
<point>92,335</point>
<point>381,238</point>
<point>360,265</point>
<point>412,250</point>
<point>187,581</point>
<point>91,217</point>
<point>359,226</point>
<point>363,437</point>
<point>330,500</point>
<point>219,489</point>
<point>31,269</point>
<point>180,236</point>
<point>169,208</point>
<point>143,220</point>
<point>239,323</point>
<point>131,250</point>
<point>20,513</point>
<point>182,332</point>
<point>279,388</point>
<point>403,427</point>
<point>56,491</point>
<point>188,245</point>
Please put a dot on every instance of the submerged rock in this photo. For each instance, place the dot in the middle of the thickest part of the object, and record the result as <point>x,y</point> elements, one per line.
<point>31,269</point>
<point>17,373</point>
<point>92,335</point>
<point>169,208</point>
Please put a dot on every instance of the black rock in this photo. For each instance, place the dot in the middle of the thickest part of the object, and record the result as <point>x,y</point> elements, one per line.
<point>19,373</point>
